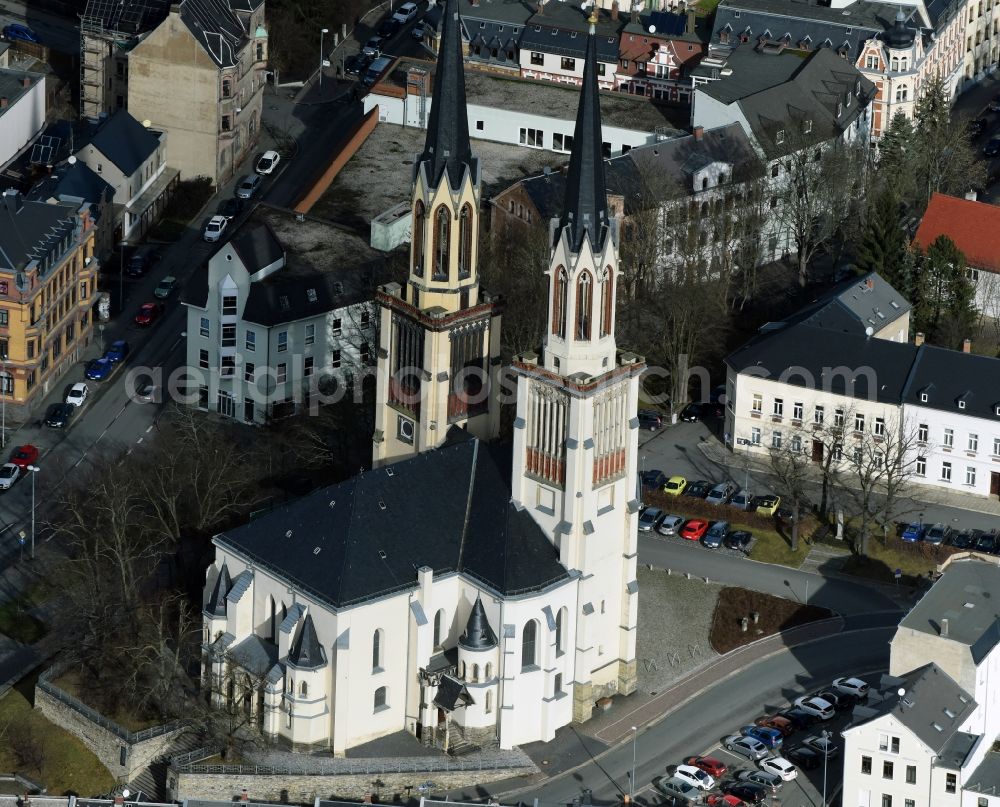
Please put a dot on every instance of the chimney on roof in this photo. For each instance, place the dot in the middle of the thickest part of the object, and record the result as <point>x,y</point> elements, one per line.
<point>944,627</point>
<point>3,102</point>
<point>918,338</point>
<point>971,195</point>
<point>966,345</point>
<point>698,132</point>
<point>244,797</point>
<point>25,81</point>
<point>691,22</point>
<point>614,11</point>
<point>12,200</point>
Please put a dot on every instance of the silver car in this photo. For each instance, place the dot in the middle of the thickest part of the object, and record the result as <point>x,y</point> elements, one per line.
<point>746,747</point>
<point>670,525</point>
<point>721,493</point>
<point>763,778</point>
<point>248,186</point>
<point>9,474</point>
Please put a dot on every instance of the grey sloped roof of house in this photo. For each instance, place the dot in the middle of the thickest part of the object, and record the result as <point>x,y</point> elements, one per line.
<point>810,356</point>
<point>240,586</point>
<point>74,180</point>
<point>31,230</point>
<point>255,655</point>
<point>986,777</point>
<point>306,652</point>
<point>855,305</point>
<point>547,37</point>
<point>957,382</point>
<point>291,618</point>
<point>932,706</point>
<point>478,634</point>
<point>452,694</point>
<point>125,141</point>
<point>965,595</point>
<point>216,27</point>
<point>366,537</point>
<point>257,246</point>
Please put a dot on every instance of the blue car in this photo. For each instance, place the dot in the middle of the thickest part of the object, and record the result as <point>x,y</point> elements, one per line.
<point>772,738</point>
<point>117,352</point>
<point>716,535</point>
<point>913,533</point>
<point>22,32</point>
<point>99,369</point>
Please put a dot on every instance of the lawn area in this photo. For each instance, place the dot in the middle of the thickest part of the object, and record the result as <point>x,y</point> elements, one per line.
<point>62,763</point>
<point>69,682</point>
<point>774,548</point>
<point>916,561</point>
<point>775,615</point>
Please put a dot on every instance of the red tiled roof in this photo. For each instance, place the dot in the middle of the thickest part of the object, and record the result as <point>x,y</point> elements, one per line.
<point>973,226</point>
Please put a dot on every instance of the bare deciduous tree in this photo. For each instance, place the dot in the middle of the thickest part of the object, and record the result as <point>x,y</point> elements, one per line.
<point>789,463</point>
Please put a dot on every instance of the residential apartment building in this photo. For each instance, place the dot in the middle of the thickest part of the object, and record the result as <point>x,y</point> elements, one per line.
<point>48,293</point>
<point>553,45</point>
<point>279,315</point>
<point>199,77</point>
<point>657,52</point>
<point>131,158</point>
<point>22,111</point>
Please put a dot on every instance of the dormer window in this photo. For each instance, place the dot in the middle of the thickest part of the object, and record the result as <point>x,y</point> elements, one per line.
<point>961,404</point>
<point>737,15</point>
<point>840,109</point>
<point>779,137</point>
<point>923,398</point>
<point>807,126</point>
<point>996,410</point>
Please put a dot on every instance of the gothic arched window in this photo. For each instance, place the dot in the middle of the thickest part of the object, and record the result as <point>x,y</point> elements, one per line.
<point>377,649</point>
<point>381,696</point>
<point>442,242</point>
<point>465,241</point>
<point>902,92</point>
<point>438,629</point>
<point>489,702</point>
<point>303,689</point>
<point>561,631</point>
<point>418,238</point>
<point>559,282</point>
<point>528,638</point>
<point>584,300</point>
<point>607,302</point>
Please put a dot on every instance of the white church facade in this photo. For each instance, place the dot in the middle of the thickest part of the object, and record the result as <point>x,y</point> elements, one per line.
<point>455,591</point>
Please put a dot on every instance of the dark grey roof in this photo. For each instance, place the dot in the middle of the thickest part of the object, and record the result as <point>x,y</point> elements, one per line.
<point>74,180</point>
<point>986,777</point>
<point>539,36</point>
<point>255,655</point>
<point>216,27</point>
<point>257,245</point>
<point>856,305</point>
<point>965,595</point>
<point>217,602</point>
<point>805,355</point>
<point>932,706</point>
<point>478,633</point>
<point>509,12</point>
<point>451,694</point>
<point>32,231</point>
<point>900,35</point>
<point>125,141</point>
<point>956,750</point>
<point>585,213</point>
<point>447,145</point>
<point>366,537</point>
<point>306,652</point>
<point>951,377</point>
<point>12,85</point>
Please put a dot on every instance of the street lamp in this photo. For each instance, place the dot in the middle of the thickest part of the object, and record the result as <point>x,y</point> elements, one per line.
<point>33,469</point>
<point>322,32</point>
<point>826,755</point>
<point>631,781</point>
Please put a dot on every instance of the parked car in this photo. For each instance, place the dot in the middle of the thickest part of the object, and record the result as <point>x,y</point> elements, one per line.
<point>248,186</point>
<point>815,706</point>
<point>723,800</point>
<point>978,126</point>
<point>747,792</point>
<point>77,395</point>
<point>357,64</point>
<point>851,686</point>
<point>699,489</point>
<point>405,13</point>
<point>680,791</point>
<point>694,529</point>
<point>99,369</point>
<point>9,474</point>
<point>649,419</point>
<point>146,391</point>
<point>823,746</point>
<point>715,535</point>
<point>695,776</point>
<point>117,352</point>
<point>913,532</point>
<point>768,504</point>
<point>711,765</point>
<point>165,287</point>
<point>215,228</point>
<point>966,539</point>
<point>417,32</point>
<point>691,413</point>
<point>268,161</point>
<point>804,757</point>
<point>670,525</point>
<point>25,455</point>
<point>772,738</point>
<point>58,415</point>
<point>675,486</point>
<point>838,700</point>
<point>373,47</point>
<point>148,314</point>
<point>653,480</point>
<point>987,543</point>
<point>780,767</point>
<point>992,148</point>
<point>937,534</point>
<point>769,781</point>
<point>782,724</point>
<point>742,500</point>
<point>16,31</point>
<point>142,259</point>
<point>388,28</point>
<point>994,104</point>
<point>650,519</point>
<point>799,718</point>
<point>721,493</point>
<point>749,747</point>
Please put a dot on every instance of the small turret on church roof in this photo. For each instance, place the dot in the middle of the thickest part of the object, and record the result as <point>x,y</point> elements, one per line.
<point>478,633</point>
<point>447,146</point>
<point>217,602</point>
<point>899,36</point>
<point>586,210</point>
<point>306,652</point>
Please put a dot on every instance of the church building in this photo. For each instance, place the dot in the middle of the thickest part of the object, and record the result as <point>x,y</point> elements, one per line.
<point>467,591</point>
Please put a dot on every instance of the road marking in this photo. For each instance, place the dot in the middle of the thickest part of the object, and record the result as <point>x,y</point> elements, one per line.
<point>148,430</point>
<point>139,440</point>
<point>128,452</point>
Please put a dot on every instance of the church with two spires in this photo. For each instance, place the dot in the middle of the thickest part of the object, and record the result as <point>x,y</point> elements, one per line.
<point>463,590</point>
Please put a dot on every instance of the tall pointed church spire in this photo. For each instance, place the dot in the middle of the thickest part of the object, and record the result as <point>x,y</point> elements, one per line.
<point>586,208</point>
<point>447,145</point>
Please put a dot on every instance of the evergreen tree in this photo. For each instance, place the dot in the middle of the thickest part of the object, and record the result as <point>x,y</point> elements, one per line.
<point>883,246</point>
<point>951,307</point>
<point>895,163</point>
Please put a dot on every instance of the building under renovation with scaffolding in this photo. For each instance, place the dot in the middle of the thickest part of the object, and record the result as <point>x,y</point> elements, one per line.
<point>109,29</point>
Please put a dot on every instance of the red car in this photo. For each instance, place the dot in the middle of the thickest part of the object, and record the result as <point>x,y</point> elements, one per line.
<point>782,724</point>
<point>23,456</point>
<point>713,767</point>
<point>694,530</point>
<point>148,314</point>
<point>722,800</point>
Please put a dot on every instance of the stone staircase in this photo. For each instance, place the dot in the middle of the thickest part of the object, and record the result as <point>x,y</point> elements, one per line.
<point>152,781</point>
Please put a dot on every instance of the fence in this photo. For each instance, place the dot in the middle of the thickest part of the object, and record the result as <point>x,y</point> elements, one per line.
<point>348,767</point>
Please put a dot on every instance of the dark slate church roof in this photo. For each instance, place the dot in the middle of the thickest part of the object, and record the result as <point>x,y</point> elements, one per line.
<point>478,633</point>
<point>449,509</point>
<point>307,653</point>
